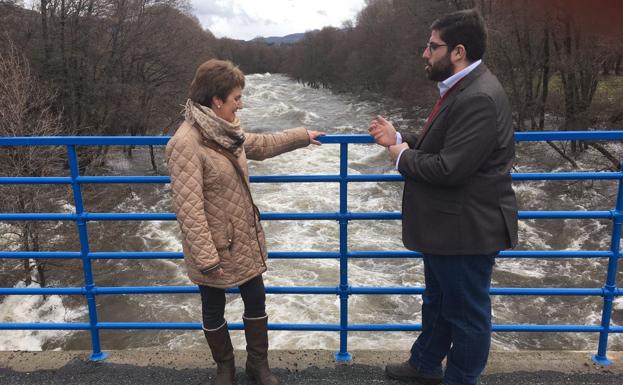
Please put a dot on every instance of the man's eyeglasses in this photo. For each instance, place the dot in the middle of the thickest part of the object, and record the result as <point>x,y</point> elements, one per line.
<point>433,46</point>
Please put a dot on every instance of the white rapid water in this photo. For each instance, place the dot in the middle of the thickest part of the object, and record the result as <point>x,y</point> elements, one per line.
<point>35,308</point>
<point>274,103</point>
<point>31,308</point>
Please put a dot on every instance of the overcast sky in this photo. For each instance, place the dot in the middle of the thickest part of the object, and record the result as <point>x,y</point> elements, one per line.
<point>246,19</point>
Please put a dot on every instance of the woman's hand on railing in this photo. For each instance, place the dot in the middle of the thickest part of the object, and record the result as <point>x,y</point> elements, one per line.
<point>313,135</point>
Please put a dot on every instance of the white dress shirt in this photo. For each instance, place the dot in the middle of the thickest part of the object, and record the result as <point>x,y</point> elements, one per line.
<point>443,86</point>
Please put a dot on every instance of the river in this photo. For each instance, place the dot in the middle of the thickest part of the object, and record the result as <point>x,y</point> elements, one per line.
<point>273,103</point>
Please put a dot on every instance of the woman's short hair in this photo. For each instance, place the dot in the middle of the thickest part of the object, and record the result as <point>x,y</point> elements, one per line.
<point>464,27</point>
<point>215,78</point>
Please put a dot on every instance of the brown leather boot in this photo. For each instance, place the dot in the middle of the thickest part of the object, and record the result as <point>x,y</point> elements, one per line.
<point>256,333</point>
<point>222,353</point>
<point>405,372</point>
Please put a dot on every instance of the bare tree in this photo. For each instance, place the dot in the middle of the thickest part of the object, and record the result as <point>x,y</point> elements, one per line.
<point>26,110</point>
<point>581,49</point>
<point>520,55</point>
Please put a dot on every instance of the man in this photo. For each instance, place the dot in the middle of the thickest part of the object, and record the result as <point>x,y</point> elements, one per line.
<point>459,208</point>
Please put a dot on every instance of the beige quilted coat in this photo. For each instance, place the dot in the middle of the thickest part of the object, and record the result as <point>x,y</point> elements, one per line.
<point>218,223</point>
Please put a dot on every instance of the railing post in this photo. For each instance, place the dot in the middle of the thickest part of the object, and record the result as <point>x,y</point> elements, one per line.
<point>89,286</point>
<point>610,286</point>
<point>343,354</point>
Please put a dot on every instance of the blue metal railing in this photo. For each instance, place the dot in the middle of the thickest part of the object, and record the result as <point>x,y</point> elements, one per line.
<point>90,290</point>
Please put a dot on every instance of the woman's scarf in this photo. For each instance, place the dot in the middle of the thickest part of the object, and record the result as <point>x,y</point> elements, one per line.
<point>214,129</point>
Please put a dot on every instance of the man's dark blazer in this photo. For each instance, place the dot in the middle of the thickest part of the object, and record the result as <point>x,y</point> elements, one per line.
<point>457,197</point>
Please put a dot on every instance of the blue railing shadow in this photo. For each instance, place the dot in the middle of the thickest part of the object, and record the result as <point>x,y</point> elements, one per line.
<point>90,290</point>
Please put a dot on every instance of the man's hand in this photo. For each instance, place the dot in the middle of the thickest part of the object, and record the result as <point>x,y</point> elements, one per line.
<point>383,131</point>
<point>396,149</point>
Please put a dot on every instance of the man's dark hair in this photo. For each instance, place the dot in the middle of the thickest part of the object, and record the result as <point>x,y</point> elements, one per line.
<point>466,28</point>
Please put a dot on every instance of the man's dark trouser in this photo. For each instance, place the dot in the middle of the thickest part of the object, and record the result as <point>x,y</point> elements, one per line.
<point>456,317</point>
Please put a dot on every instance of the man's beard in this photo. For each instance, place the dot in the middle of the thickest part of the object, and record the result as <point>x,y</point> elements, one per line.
<point>441,70</point>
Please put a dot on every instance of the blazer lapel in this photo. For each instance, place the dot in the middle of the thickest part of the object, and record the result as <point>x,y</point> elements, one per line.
<point>430,124</point>
<point>465,82</point>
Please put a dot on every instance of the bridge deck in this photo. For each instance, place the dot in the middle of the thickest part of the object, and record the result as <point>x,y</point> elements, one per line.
<point>305,367</point>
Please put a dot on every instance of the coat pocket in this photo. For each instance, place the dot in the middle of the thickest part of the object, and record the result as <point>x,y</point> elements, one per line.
<point>225,240</point>
<point>440,224</point>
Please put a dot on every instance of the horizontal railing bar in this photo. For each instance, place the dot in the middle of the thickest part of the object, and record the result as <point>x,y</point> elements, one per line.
<point>496,328</point>
<point>136,255</point>
<point>130,216</point>
<point>544,254</point>
<point>535,254</point>
<point>566,176</point>
<point>45,326</point>
<point>296,178</point>
<point>492,291</point>
<point>375,178</point>
<point>85,141</point>
<point>303,255</point>
<point>545,291</point>
<point>548,328</point>
<point>558,214</point>
<point>274,216</point>
<point>152,255</point>
<point>306,327</point>
<point>399,178</point>
<point>151,326</point>
<point>122,179</point>
<point>197,326</point>
<point>555,254</point>
<point>385,216</point>
<point>298,327</point>
<point>320,216</point>
<point>383,254</point>
<point>42,291</point>
<point>355,139</point>
<point>302,290</point>
<point>146,290</point>
<point>386,290</point>
<point>40,254</point>
<point>384,327</point>
<point>193,289</point>
<point>38,217</point>
<point>35,180</point>
<point>515,176</point>
<point>545,214</point>
<point>568,135</point>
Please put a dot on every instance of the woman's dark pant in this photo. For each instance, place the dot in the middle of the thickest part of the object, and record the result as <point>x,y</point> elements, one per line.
<point>456,317</point>
<point>213,302</point>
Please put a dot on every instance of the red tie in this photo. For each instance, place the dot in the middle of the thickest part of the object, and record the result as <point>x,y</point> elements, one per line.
<point>437,107</point>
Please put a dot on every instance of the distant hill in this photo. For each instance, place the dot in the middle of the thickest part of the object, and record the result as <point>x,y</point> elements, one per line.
<point>278,40</point>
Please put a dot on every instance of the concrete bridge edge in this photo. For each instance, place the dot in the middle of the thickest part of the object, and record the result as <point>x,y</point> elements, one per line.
<point>499,361</point>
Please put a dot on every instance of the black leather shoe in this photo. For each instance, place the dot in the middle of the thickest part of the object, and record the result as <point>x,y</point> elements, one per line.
<point>406,372</point>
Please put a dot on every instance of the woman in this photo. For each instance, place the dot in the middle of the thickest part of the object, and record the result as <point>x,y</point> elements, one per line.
<point>222,238</point>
